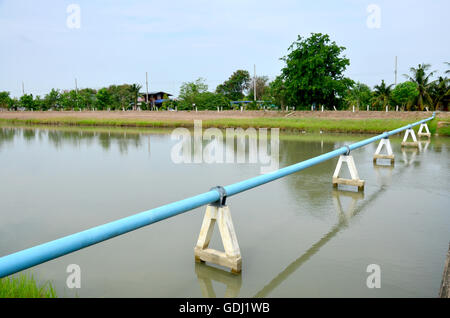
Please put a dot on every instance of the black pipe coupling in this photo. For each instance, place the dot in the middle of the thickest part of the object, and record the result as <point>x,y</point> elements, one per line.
<point>348,150</point>
<point>223,196</point>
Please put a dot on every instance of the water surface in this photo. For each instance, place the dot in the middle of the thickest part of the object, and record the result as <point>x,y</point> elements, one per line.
<point>298,236</point>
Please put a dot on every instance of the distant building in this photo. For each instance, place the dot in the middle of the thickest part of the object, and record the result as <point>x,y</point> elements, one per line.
<point>155,98</point>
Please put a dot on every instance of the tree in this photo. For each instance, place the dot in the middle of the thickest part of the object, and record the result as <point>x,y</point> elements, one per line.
<point>5,100</point>
<point>382,95</point>
<point>14,104</point>
<point>26,101</point>
<point>313,72</point>
<point>404,93</point>
<point>261,87</point>
<point>189,92</point>
<point>440,93</point>
<point>39,103</point>
<point>52,99</point>
<point>358,95</point>
<point>210,101</point>
<point>234,87</point>
<point>277,91</point>
<point>68,99</point>
<point>121,96</point>
<point>125,97</point>
<point>87,98</point>
<point>422,81</point>
<point>134,90</point>
<point>103,99</point>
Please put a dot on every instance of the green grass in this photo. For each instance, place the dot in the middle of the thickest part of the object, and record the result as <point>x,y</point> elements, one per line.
<point>285,124</point>
<point>23,286</point>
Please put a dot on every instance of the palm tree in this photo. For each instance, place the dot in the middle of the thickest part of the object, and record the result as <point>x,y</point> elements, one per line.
<point>423,84</point>
<point>440,93</point>
<point>134,89</point>
<point>447,71</point>
<point>382,94</point>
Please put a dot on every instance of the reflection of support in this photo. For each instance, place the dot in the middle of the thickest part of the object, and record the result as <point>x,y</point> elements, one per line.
<point>389,154</point>
<point>411,159</point>
<point>413,143</point>
<point>291,268</point>
<point>354,181</point>
<point>355,196</point>
<point>205,275</point>
<point>383,179</point>
<point>314,249</point>
<point>231,258</point>
<point>423,145</point>
<point>424,134</point>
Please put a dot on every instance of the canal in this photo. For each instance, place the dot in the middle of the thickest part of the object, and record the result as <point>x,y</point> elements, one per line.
<point>298,236</point>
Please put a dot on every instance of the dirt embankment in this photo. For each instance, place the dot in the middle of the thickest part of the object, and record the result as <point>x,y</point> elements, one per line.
<point>207,115</point>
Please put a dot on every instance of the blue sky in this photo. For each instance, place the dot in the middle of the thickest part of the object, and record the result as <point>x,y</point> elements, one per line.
<point>179,41</point>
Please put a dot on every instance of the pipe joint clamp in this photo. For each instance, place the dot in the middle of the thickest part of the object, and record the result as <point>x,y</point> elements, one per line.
<point>223,196</point>
<point>348,150</point>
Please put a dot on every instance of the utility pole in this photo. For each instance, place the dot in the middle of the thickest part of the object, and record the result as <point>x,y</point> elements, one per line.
<point>395,82</point>
<point>254,82</point>
<point>23,89</point>
<point>146,85</point>
<point>76,90</point>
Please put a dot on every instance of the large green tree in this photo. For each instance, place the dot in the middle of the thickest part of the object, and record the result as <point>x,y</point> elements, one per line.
<point>234,87</point>
<point>313,72</point>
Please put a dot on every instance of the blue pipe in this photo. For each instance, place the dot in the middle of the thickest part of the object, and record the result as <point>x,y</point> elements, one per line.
<point>39,254</point>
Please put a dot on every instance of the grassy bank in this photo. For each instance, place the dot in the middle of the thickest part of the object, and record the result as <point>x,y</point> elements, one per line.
<point>285,124</point>
<point>23,286</point>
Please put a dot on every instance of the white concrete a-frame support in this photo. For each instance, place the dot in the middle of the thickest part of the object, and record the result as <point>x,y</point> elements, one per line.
<point>354,181</point>
<point>231,258</point>
<point>413,143</point>
<point>389,154</point>
<point>424,134</point>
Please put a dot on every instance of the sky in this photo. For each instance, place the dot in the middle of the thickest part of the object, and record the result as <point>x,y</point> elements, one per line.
<point>47,44</point>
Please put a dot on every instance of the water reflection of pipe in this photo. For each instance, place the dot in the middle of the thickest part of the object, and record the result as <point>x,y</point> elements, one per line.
<point>205,275</point>
<point>342,223</point>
